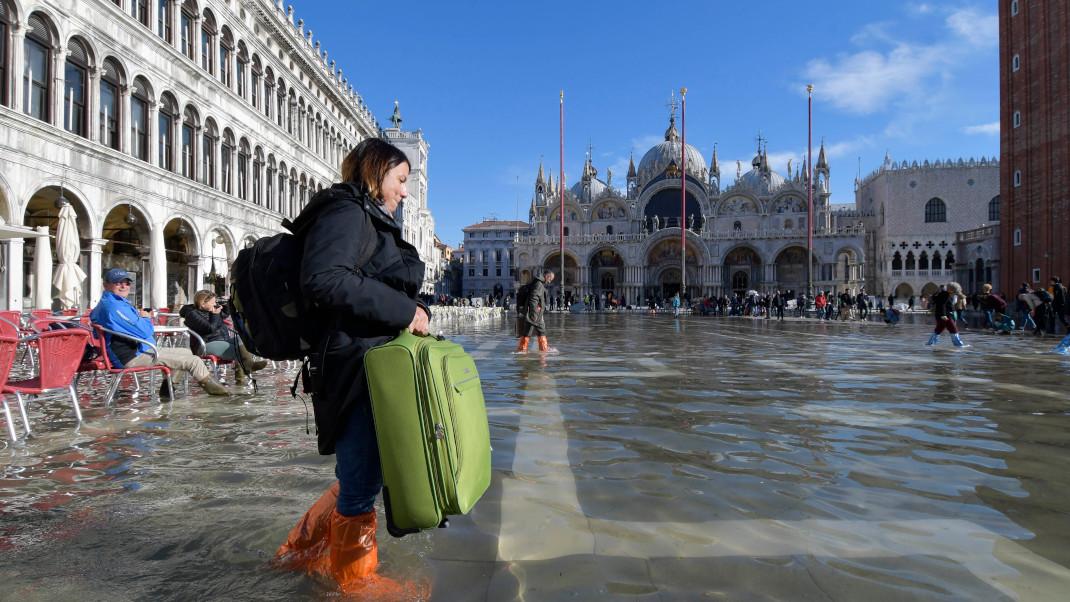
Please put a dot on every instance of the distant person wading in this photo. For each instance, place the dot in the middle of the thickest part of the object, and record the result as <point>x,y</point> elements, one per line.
<point>531,307</point>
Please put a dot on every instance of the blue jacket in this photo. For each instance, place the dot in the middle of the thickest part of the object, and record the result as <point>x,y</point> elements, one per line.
<point>118,314</point>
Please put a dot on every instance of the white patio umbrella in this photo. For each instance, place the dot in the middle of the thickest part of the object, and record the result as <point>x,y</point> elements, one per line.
<point>180,297</point>
<point>42,269</point>
<point>69,275</point>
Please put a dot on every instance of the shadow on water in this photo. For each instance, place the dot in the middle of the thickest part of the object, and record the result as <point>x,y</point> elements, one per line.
<point>653,457</point>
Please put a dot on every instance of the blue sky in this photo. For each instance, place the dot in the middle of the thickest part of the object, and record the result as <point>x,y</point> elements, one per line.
<point>481,79</point>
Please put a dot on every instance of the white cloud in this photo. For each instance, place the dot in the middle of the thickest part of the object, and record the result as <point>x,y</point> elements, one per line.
<point>920,8</point>
<point>974,27</point>
<point>868,81</point>
<point>987,129</point>
<point>905,74</point>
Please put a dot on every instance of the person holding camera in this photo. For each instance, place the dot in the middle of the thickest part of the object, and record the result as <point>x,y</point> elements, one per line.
<point>205,317</point>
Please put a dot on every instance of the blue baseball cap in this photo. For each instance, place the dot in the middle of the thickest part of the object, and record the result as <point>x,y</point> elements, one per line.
<point>116,275</point>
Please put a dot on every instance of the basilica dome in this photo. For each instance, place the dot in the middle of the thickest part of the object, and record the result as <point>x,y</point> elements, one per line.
<point>761,179</point>
<point>666,153</point>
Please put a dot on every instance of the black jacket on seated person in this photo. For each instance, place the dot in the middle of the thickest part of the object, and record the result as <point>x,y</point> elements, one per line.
<point>208,325</point>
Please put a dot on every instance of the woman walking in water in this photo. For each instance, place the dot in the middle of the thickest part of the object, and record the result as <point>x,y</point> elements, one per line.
<point>943,308</point>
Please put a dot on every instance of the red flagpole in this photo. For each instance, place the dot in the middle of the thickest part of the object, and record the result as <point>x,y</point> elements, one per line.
<point>809,190</point>
<point>561,185</point>
<point>683,193</point>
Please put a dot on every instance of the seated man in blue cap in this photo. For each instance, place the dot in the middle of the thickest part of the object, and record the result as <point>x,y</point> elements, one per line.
<point>116,312</point>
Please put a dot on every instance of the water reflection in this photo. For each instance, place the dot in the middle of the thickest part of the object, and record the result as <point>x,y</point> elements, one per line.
<point>653,456</point>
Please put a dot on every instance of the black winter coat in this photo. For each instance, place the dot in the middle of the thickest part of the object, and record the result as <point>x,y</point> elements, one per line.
<point>208,325</point>
<point>353,305</point>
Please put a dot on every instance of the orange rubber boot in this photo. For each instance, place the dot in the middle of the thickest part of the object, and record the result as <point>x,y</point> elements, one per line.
<point>522,345</point>
<point>354,556</point>
<point>307,544</point>
<point>544,344</point>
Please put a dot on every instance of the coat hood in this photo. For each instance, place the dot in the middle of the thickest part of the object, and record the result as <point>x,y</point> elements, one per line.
<point>186,309</point>
<point>339,192</point>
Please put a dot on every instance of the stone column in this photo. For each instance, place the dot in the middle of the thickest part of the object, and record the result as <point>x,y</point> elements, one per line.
<point>42,266</point>
<point>158,267</point>
<point>96,270</point>
<point>93,104</point>
<point>14,273</point>
<point>59,84</point>
<point>125,126</point>
<point>152,134</point>
<point>18,92</point>
<point>198,142</point>
<point>195,37</point>
<point>176,33</point>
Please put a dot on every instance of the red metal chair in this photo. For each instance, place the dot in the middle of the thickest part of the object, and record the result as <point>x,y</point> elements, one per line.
<point>60,353</point>
<point>197,344</point>
<point>8,347</point>
<point>118,373</point>
<point>40,313</point>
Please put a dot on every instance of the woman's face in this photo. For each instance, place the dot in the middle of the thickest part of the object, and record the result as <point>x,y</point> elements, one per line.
<point>394,188</point>
<point>207,304</point>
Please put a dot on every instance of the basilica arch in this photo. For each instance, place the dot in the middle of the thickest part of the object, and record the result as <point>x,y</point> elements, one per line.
<point>665,204</point>
<point>606,270</point>
<point>742,270</point>
<point>790,266</point>
<point>570,278</point>
<point>663,267</point>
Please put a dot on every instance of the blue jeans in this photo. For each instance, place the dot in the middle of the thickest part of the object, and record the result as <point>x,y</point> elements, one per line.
<point>360,477</point>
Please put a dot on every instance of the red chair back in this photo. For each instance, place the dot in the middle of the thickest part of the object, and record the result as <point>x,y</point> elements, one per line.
<point>9,328</point>
<point>70,312</point>
<point>101,362</point>
<point>60,353</point>
<point>8,347</point>
<point>40,313</point>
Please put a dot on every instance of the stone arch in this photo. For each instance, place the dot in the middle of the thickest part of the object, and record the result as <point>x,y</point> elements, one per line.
<point>44,193</point>
<point>8,202</point>
<point>848,264</point>
<point>127,227</point>
<point>552,261</point>
<point>605,268</point>
<point>664,252</point>
<point>929,290</point>
<point>181,255</point>
<point>662,198</point>
<point>42,209</point>
<point>737,204</point>
<point>903,291</point>
<point>612,204</point>
<point>787,202</point>
<point>790,264</point>
<point>218,250</point>
<point>742,269</point>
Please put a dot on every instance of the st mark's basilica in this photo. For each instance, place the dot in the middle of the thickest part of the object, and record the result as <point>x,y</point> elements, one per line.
<point>748,235</point>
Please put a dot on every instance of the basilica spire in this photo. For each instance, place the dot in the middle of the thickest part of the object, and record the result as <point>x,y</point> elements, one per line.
<point>631,165</point>
<point>540,179</point>
<point>715,167</point>
<point>821,162</point>
<point>670,134</point>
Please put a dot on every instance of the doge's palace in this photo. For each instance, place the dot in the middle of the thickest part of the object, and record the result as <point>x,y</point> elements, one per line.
<point>177,130</point>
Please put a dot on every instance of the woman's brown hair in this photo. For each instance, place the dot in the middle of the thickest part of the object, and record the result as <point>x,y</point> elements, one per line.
<point>202,296</point>
<point>368,163</point>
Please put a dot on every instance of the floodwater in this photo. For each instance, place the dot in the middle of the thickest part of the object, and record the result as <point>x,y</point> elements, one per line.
<point>651,459</point>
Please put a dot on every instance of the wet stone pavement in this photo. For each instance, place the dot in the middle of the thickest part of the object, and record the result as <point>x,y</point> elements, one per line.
<point>651,459</point>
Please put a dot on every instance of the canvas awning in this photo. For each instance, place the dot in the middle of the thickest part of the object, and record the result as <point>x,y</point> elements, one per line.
<point>8,231</point>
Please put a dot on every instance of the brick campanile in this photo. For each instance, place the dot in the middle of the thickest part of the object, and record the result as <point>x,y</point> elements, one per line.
<point>1034,69</point>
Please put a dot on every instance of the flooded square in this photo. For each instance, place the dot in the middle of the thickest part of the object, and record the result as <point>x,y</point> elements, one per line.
<point>651,458</point>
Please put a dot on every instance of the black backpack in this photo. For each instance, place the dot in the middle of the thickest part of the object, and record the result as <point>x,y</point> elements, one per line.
<point>523,295</point>
<point>265,302</point>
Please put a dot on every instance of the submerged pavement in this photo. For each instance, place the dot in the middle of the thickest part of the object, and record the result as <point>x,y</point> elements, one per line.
<point>651,458</point>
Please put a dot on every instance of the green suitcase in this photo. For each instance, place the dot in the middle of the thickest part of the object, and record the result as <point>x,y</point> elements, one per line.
<point>431,423</point>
